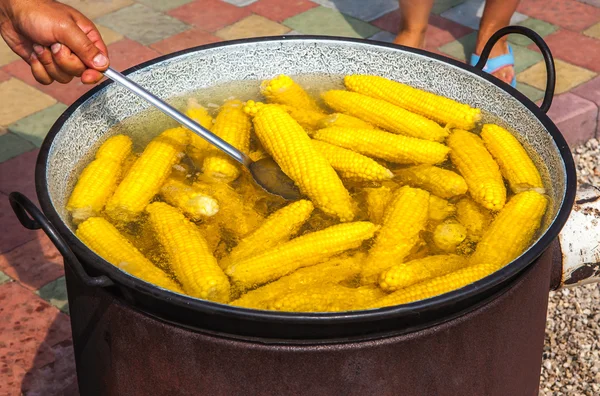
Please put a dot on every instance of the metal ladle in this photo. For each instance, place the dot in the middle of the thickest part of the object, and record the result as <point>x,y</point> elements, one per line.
<point>266,173</point>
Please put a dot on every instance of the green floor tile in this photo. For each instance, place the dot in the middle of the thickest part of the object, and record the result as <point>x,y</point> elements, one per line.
<point>143,24</point>
<point>55,293</point>
<point>525,58</point>
<point>461,48</point>
<point>4,278</point>
<point>12,145</point>
<point>532,93</point>
<point>35,127</point>
<point>328,22</point>
<point>443,5</point>
<point>164,5</point>
<point>540,27</point>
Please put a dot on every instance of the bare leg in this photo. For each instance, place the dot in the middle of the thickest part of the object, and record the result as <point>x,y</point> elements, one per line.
<point>415,15</point>
<point>496,15</point>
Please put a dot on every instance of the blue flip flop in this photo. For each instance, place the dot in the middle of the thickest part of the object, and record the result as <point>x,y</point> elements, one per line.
<point>497,63</point>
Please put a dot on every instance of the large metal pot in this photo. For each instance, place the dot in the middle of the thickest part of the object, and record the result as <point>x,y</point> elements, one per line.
<point>133,338</point>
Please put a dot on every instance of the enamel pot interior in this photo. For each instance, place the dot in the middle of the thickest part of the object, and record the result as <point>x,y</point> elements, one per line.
<point>91,120</point>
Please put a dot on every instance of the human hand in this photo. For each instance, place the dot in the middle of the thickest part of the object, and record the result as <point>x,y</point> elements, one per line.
<point>57,41</point>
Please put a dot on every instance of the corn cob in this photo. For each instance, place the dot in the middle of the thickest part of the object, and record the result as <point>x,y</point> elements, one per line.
<point>369,294</point>
<point>292,149</point>
<point>190,201</point>
<point>384,145</point>
<point>475,218</point>
<point>435,107</point>
<point>512,230</point>
<point>277,228</point>
<point>438,181</point>
<point>283,90</point>
<point>189,254</point>
<point>99,179</point>
<point>448,235</point>
<point>343,121</point>
<point>437,286</point>
<point>303,251</point>
<point>385,115</point>
<point>321,298</point>
<point>235,214</point>
<point>198,147</point>
<point>406,274</point>
<point>440,209</point>
<point>377,200</point>
<point>403,220</point>
<point>232,125</point>
<point>515,164</point>
<point>479,169</point>
<point>104,239</point>
<point>333,271</point>
<point>351,165</point>
<point>147,175</point>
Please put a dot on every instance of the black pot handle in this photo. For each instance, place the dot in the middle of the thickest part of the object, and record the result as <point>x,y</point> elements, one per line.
<point>32,218</point>
<point>539,41</point>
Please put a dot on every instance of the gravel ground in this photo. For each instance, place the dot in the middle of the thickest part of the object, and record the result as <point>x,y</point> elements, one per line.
<point>571,363</point>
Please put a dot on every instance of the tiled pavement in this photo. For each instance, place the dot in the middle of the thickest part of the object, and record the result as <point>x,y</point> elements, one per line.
<point>35,347</point>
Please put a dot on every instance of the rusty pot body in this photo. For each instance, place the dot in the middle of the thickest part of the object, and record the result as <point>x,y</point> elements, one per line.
<point>496,349</point>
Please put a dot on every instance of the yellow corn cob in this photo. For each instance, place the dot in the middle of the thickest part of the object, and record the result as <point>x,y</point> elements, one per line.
<point>438,181</point>
<point>104,239</point>
<point>385,115</point>
<point>283,90</point>
<point>440,209</point>
<point>479,169</point>
<point>377,200</point>
<point>190,201</point>
<point>235,214</point>
<point>321,298</point>
<point>435,107</point>
<point>292,149</point>
<point>189,254</point>
<point>308,119</point>
<point>147,175</point>
<point>406,274</point>
<point>512,230</point>
<point>277,228</point>
<point>99,179</point>
<point>437,286</point>
<point>332,271</point>
<point>303,251</point>
<point>351,165</point>
<point>394,148</point>
<point>198,147</point>
<point>343,121</point>
<point>232,125</point>
<point>448,235</point>
<point>403,220</point>
<point>475,218</point>
<point>515,164</point>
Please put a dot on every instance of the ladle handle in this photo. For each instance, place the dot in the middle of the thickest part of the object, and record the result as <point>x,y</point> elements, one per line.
<point>178,116</point>
<point>32,218</point>
<point>544,49</point>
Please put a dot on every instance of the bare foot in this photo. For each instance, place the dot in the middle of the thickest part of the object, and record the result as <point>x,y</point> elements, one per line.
<point>506,73</point>
<point>410,39</point>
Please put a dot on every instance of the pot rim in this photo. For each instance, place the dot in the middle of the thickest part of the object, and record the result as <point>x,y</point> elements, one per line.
<point>438,303</point>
